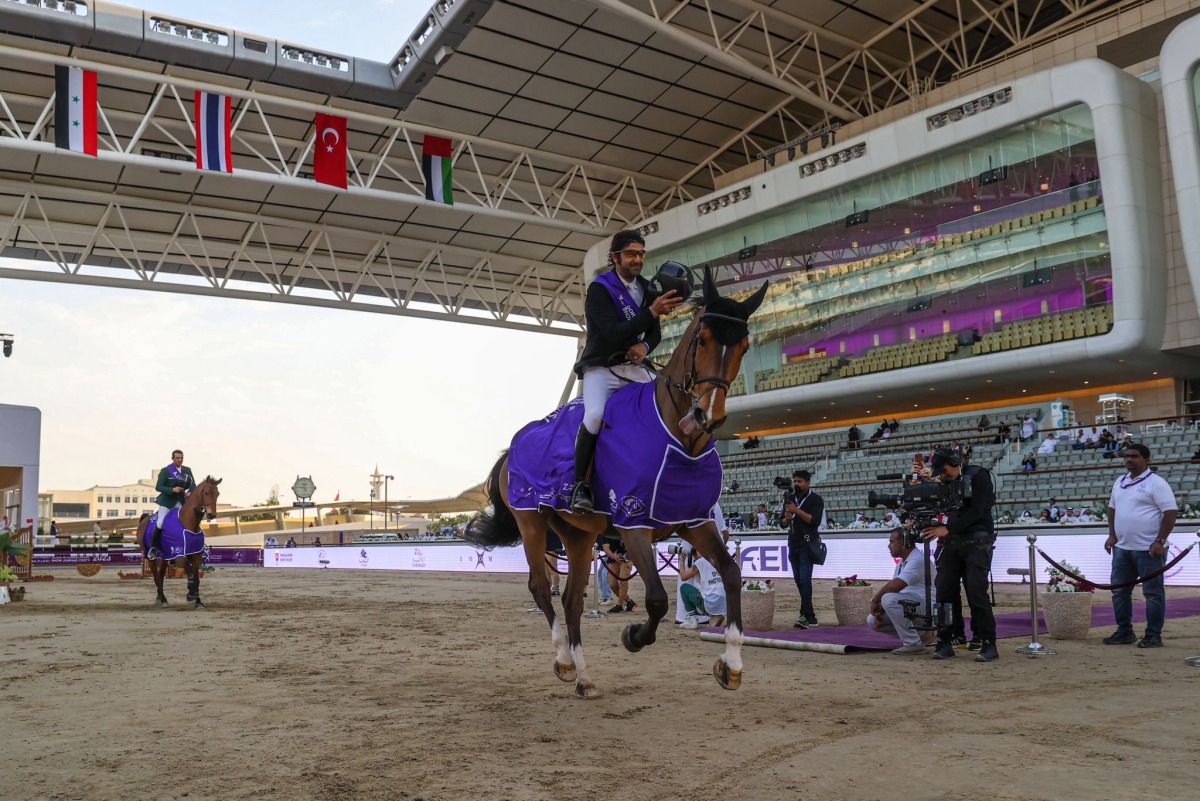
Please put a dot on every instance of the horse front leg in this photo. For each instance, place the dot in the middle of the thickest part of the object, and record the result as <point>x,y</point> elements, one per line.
<point>637,636</point>
<point>191,565</point>
<point>728,668</point>
<point>579,559</point>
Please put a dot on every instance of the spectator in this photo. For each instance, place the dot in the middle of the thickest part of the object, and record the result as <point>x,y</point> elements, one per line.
<point>1048,444</point>
<point>53,530</point>
<point>317,542</point>
<point>1026,516</point>
<point>1108,442</point>
<point>1029,463</point>
<point>984,423</point>
<point>605,590</point>
<point>1141,515</point>
<point>894,426</point>
<point>1087,515</point>
<point>1003,434</point>
<point>735,521</point>
<point>554,549</point>
<point>96,530</point>
<point>1044,517</point>
<point>1196,455</point>
<point>291,543</point>
<point>804,512</point>
<point>854,437</point>
<point>909,583</point>
<point>617,559</point>
<point>733,486</point>
<point>760,516</point>
<point>1006,518</point>
<point>1053,507</point>
<point>1028,428</point>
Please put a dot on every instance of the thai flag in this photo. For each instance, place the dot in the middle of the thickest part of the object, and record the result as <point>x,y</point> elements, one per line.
<point>214,132</point>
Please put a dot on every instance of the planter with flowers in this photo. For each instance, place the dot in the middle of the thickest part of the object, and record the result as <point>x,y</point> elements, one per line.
<point>852,601</point>
<point>758,604</point>
<point>1067,604</point>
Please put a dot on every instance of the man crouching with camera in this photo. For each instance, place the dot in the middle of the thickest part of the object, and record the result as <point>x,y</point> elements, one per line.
<point>909,585</point>
<point>968,539</point>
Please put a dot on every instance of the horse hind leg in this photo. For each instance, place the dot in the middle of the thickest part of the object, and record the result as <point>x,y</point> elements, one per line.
<point>192,567</point>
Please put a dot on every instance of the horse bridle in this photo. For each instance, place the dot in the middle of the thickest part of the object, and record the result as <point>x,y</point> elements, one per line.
<point>690,381</point>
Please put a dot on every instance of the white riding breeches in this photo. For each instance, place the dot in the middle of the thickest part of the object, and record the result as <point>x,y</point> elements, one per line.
<point>600,383</point>
<point>162,512</point>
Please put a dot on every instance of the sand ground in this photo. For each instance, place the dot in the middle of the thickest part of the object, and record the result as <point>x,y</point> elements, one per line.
<point>341,686</point>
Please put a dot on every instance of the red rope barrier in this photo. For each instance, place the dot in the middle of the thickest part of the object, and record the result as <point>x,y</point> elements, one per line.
<point>1121,586</point>
<point>557,558</point>
<point>618,575</point>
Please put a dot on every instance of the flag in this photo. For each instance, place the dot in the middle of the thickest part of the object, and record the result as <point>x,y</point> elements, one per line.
<point>75,109</point>
<point>329,156</point>
<point>339,497</point>
<point>214,132</point>
<point>437,166</point>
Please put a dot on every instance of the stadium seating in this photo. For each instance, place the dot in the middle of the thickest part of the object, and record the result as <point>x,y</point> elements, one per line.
<point>907,354</point>
<point>1049,328</point>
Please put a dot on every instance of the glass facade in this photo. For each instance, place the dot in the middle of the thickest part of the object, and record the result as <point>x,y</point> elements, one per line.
<point>952,247</point>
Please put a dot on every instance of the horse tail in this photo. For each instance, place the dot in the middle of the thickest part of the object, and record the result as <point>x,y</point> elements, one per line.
<point>497,528</point>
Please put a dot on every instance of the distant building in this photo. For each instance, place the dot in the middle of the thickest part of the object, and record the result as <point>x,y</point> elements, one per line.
<point>105,501</point>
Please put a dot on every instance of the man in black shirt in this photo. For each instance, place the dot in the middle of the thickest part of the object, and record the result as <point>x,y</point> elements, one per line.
<point>968,540</point>
<point>803,511</point>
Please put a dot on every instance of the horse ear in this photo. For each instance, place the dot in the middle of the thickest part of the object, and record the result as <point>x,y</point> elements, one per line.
<point>710,286</point>
<point>751,304</point>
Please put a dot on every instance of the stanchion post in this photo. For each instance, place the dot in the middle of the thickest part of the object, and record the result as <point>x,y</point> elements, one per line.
<point>596,592</point>
<point>1192,661</point>
<point>1034,648</point>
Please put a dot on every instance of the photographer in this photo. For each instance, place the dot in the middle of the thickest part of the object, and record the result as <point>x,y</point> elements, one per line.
<point>701,591</point>
<point>909,584</point>
<point>968,539</point>
<point>803,512</point>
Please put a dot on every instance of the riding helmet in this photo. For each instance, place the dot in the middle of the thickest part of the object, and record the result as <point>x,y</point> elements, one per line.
<point>673,275</point>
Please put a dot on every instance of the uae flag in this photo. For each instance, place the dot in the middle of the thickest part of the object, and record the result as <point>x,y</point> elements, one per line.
<point>437,165</point>
<point>75,109</point>
<point>329,155</point>
<point>214,132</point>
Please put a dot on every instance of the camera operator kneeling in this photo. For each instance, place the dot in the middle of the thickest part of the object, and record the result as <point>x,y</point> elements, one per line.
<point>910,584</point>
<point>968,539</point>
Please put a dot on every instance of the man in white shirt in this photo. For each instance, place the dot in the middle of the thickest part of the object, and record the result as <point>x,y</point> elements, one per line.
<point>1048,444</point>
<point>1141,514</point>
<point>705,592</point>
<point>887,612</point>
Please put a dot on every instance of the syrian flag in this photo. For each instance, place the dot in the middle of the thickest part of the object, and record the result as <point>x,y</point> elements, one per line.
<point>329,154</point>
<point>75,109</point>
<point>437,165</point>
<point>214,132</point>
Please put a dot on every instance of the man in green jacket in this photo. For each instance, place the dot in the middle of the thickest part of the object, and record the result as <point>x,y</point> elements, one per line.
<point>175,483</point>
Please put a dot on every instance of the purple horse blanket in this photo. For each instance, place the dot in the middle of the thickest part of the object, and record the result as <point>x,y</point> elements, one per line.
<point>643,476</point>
<point>174,541</point>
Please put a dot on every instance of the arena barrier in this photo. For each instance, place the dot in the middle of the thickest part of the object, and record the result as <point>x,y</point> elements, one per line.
<point>217,557</point>
<point>862,553</point>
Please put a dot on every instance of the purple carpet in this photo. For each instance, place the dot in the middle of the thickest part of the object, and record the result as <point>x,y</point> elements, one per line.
<point>860,639</point>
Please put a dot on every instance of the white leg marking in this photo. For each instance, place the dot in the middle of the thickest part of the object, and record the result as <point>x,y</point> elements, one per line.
<point>733,647</point>
<point>558,635</point>
<point>581,675</point>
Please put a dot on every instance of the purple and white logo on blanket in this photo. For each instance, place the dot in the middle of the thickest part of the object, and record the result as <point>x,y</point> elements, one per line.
<point>632,505</point>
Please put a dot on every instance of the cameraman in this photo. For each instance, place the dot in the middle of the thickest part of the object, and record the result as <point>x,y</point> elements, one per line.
<point>803,512</point>
<point>909,584</point>
<point>968,539</point>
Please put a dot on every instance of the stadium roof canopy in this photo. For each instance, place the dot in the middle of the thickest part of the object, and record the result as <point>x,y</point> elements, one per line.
<point>569,118</point>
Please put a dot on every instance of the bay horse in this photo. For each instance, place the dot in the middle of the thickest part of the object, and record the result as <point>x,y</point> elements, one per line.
<point>187,542</point>
<point>688,401</point>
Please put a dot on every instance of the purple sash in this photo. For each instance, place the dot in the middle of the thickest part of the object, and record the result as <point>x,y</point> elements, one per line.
<point>644,478</point>
<point>175,539</point>
<point>620,293</point>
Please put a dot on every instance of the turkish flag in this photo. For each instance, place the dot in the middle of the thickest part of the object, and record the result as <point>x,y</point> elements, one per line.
<point>329,151</point>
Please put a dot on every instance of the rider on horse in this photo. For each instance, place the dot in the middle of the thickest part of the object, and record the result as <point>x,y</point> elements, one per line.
<point>175,483</point>
<point>622,310</point>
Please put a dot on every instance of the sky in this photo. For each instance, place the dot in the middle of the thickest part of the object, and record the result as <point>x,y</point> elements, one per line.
<point>256,393</point>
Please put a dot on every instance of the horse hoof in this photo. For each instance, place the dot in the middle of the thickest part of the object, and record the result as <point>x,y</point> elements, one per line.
<point>564,672</point>
<point>726,676</point>
<point>587,692</point>
<point>199,605</point>
<point>627,638</point>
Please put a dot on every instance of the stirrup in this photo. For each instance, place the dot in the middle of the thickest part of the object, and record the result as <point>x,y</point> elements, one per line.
<point>581,499</point>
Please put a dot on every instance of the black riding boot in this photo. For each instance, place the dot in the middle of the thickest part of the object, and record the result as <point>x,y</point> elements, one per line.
<point>585,449</point>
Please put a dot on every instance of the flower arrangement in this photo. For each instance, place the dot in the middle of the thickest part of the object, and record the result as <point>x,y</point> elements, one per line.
<point>758,585</point>
<point>7,574</point>
<point>1060,582</point>
<point>852,581</point>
